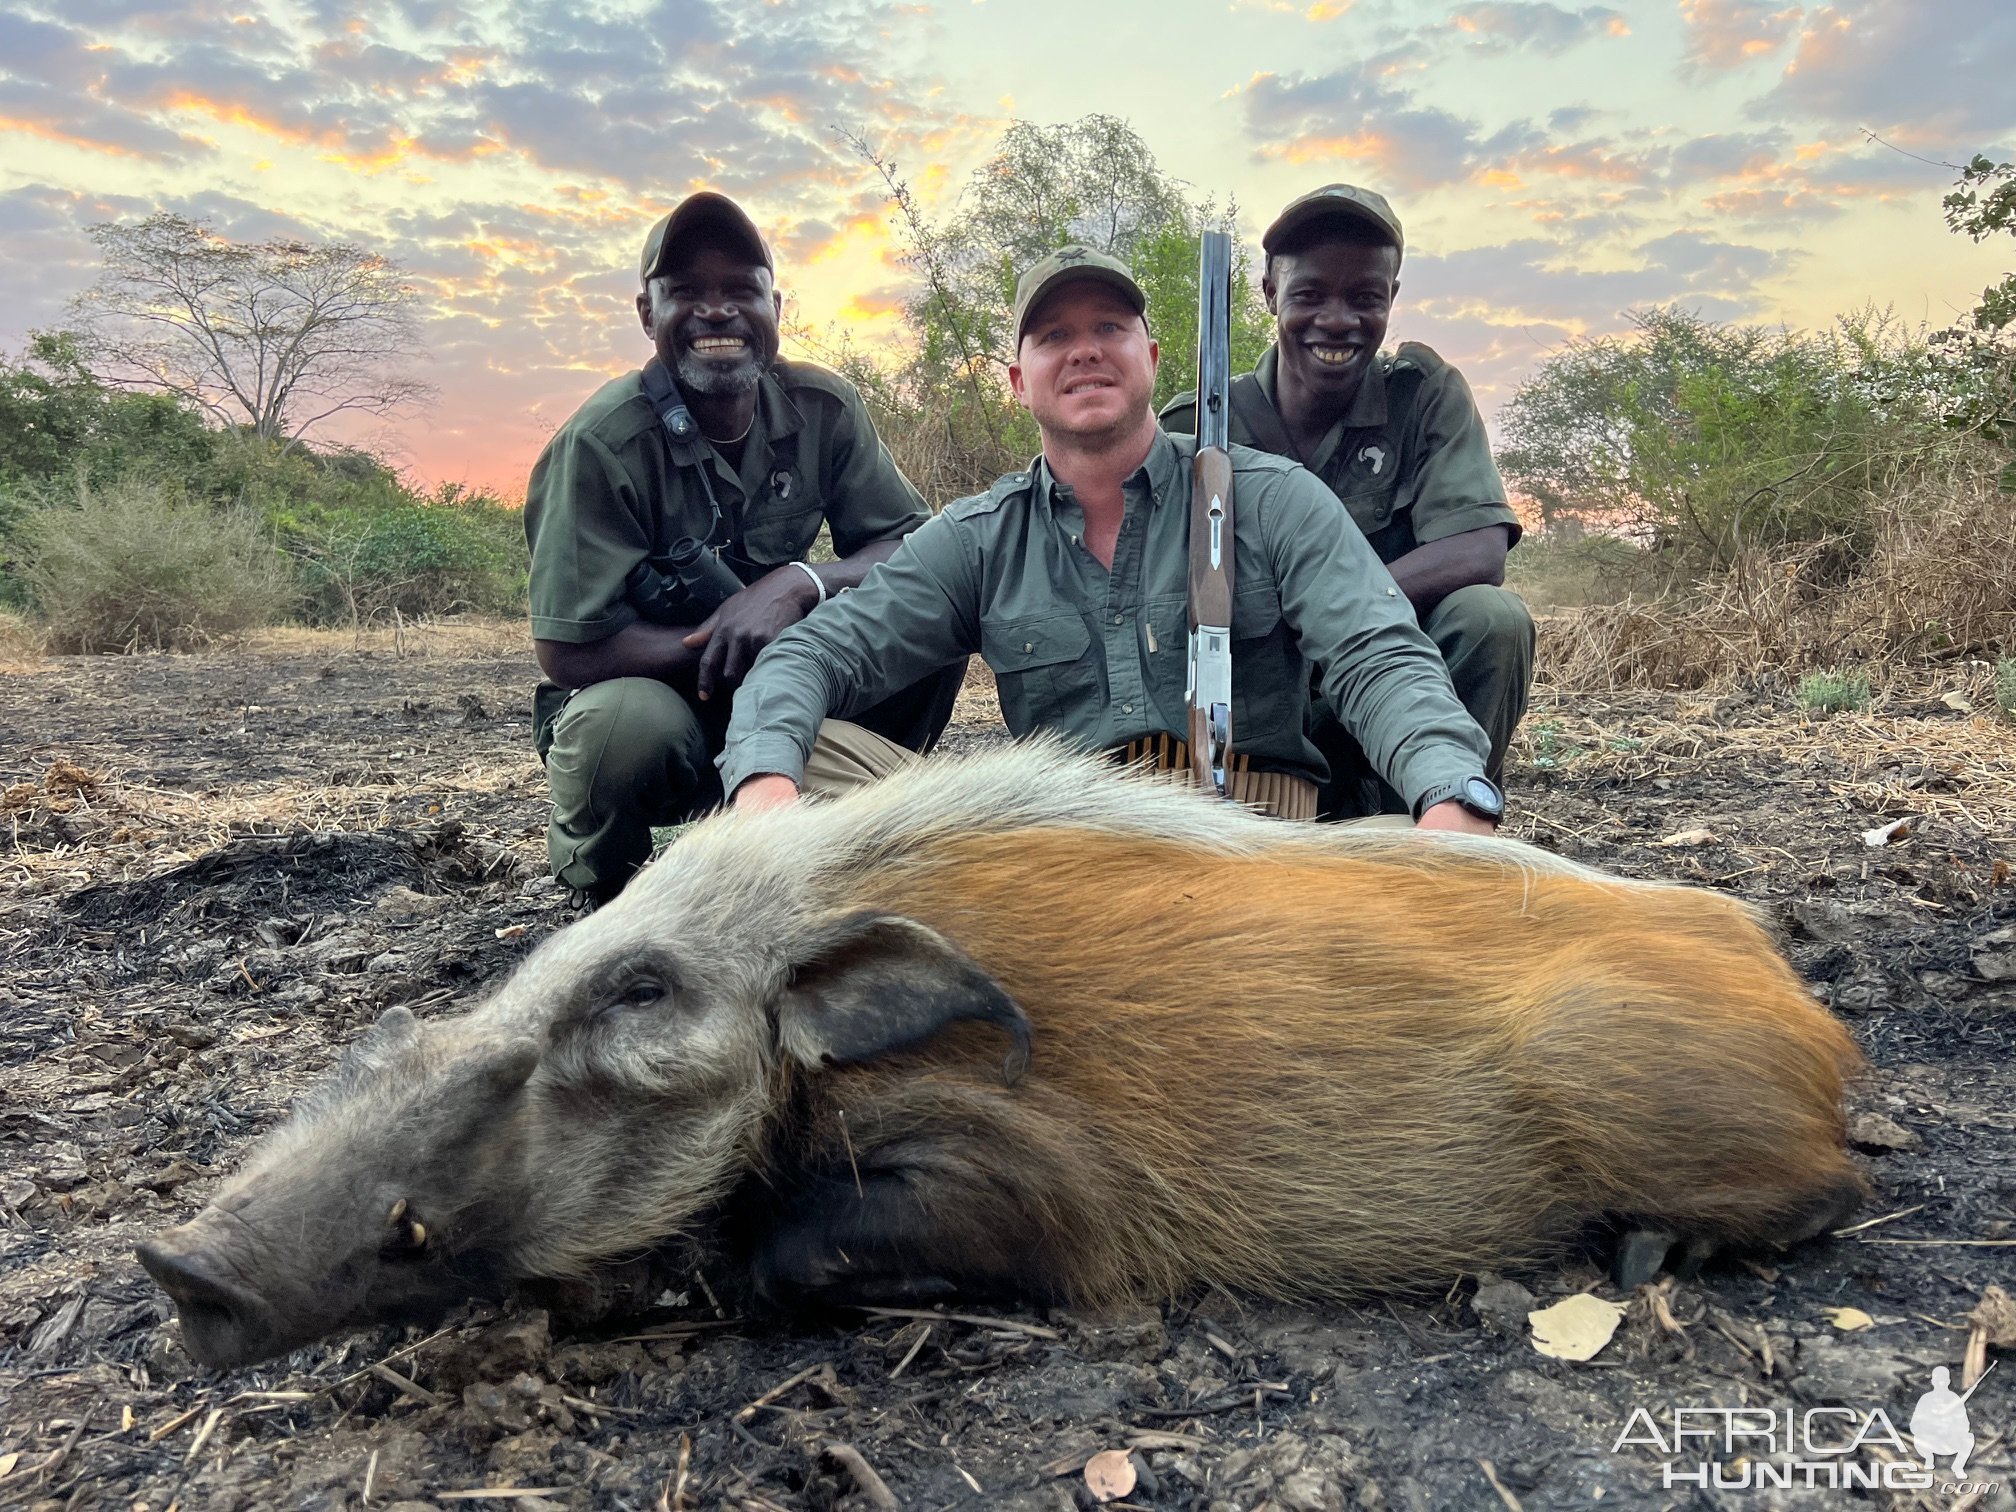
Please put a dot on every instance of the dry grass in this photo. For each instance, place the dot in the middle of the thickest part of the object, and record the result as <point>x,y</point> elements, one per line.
<point>20,644</point>
<point>1939,585</point>
<point>462,637</point>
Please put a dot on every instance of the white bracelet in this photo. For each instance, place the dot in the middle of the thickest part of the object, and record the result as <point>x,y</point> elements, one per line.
<point>817,581</point>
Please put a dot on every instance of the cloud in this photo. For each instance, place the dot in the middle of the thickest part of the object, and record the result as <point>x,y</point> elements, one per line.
<point>1930,75</point>
<point>1547,29</point>
<point>1725,34</point>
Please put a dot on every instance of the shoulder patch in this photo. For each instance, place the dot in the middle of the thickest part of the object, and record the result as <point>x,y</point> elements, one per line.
<point>616,414</point>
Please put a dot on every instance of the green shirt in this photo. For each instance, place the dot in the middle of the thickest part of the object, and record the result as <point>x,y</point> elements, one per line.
<point>1100,656</point>
<point>605,494</point>
<point>1409,458</point>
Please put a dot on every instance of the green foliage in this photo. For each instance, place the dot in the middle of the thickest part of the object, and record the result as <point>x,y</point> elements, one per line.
<point>1980,351</point>
<point>2005,687</point>
<point>131,566</point>
<point>1709,441</point>
<point>1833,692</point>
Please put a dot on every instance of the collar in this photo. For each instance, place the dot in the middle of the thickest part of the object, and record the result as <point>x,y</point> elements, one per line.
<point>1366,409</point>
<point>1161,473</point>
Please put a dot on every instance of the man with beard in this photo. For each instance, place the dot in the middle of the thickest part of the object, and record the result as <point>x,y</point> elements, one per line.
<point>1070,579</point>
<point>1399,440</point>
<point>723,457</point>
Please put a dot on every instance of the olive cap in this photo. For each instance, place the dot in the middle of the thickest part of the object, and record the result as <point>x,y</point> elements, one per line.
<point>705,211</point>
<point>1335,202</point>
<point>1065,265</point>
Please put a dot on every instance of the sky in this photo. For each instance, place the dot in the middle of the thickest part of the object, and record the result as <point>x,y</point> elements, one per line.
<point>1554,165</point>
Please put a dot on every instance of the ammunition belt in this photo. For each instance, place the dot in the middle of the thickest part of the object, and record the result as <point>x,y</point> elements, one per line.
<point>1280,795</point>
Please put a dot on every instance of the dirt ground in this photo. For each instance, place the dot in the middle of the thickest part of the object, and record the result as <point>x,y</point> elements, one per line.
<point>215,870</point>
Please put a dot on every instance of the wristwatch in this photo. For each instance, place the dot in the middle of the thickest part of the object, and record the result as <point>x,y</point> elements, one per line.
<point>1480,795</point>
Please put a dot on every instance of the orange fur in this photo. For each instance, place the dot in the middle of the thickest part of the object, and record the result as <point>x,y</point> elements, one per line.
<point>1310,1072</point>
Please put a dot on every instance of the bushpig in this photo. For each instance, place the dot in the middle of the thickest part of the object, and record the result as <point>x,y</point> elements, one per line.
<point>1018,1024</point>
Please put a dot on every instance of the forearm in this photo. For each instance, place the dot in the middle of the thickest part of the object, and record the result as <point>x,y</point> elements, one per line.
<point>1430,573</point>
<point>639,649</point>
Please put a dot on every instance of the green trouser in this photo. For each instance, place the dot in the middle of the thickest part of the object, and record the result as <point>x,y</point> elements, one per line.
<point>1485,635</point>
<point>630,753</point>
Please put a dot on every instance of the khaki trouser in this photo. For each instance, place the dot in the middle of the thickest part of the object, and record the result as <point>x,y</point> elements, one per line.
<point>847,757</point>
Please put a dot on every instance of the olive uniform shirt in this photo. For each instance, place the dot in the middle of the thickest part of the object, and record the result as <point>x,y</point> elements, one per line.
<point>605,494</point>
<point>1409,458</point>
<point>1100,656</point>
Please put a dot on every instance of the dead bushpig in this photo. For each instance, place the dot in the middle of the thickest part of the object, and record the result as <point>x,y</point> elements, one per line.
<point>1020,1024</point>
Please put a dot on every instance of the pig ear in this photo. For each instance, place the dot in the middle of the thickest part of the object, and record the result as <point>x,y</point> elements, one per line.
<point>874,984</point>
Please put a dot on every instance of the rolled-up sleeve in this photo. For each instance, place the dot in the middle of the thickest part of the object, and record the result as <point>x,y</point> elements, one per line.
<point>911,615</point>
<point>871,500</point>
<point>1375,669</point>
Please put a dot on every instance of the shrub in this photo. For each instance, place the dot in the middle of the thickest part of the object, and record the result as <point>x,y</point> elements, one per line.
<point>1833,692</point>
<point>362,558</point>
<point>2005,687</point>
<point>131,567</point>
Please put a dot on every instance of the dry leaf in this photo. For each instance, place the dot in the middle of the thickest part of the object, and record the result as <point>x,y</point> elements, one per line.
<point>1887,834</point>
<point>1109,1474</point>
<point>1957,701</point>
<point>1576,1328</point>
<point>8,1461</point>
<point>511,931</point>
<point>1688,838</point>
<point>1847,1319</point>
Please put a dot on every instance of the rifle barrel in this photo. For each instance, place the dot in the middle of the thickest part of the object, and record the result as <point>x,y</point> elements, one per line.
<point>1214,341</point>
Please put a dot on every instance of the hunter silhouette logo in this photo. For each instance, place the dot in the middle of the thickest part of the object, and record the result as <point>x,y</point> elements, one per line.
<point>1374,456</point>
<point>1939,1421</point>
<point>1841,1448</point>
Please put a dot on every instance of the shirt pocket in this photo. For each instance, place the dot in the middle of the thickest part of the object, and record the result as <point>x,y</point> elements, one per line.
<point>775,535</point>
<point>1044,668</point>
<point>1269,682</point>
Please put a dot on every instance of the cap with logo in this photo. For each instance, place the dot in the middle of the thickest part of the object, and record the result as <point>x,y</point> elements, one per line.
<point>1067,265</point>
<point>705,211</point>
<point>1334,202</point>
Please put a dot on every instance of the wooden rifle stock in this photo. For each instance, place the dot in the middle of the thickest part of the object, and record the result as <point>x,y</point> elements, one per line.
<point>1209,692</point>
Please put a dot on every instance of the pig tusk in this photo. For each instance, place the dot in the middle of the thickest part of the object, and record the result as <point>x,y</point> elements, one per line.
<point>398,1211</point>
<point>419,1234</point>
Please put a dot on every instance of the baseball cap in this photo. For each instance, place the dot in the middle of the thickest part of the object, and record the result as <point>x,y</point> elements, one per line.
<point>1334,202</point>
<point>1065,265</point>
<point>697,212</point>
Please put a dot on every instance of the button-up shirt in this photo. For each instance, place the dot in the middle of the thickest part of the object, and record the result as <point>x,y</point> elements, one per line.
<point>1098,654</point>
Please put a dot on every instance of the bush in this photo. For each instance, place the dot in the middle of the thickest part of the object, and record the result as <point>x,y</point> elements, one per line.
<point>130,567</point>
<point>2005,687</point>
<point>1833,692</point>
<point>364,558</point>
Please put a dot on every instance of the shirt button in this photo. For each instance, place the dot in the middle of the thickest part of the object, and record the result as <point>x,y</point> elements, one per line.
<point>1031,645</point>
<point>1126,708</point>
<point>1390,593</point>
<point>1119,619</point>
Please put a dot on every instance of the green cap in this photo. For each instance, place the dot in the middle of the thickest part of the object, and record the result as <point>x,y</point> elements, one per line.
<point>705,211</point>
<point>1064,266</point>
<point>1335,202</point>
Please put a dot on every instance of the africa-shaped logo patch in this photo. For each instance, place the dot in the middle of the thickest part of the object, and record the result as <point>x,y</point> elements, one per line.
<point>1372,458</point>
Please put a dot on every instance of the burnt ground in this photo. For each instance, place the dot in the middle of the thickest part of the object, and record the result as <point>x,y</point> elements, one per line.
<point>215,870</point>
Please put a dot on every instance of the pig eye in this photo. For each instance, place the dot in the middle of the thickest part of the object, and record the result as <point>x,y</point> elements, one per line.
<point>641,995</point>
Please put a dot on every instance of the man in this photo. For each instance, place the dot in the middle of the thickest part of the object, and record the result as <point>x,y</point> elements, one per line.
<point>720,455</point>
<point>1399,440</point>
<point>1070,579</point>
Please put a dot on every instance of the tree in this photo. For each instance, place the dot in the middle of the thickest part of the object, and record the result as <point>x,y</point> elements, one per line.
<point>1980,352</point>
<point>276,336</point>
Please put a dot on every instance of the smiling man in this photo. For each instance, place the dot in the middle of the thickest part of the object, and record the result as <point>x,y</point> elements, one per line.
<point>669,521</point>
<point>1070,579</point>
<point>1396,437</point>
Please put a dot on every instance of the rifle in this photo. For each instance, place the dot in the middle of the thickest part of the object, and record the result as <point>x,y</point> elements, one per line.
<point>1209,684</point>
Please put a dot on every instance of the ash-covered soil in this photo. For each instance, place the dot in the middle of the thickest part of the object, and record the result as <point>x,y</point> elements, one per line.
<point>216,870</point>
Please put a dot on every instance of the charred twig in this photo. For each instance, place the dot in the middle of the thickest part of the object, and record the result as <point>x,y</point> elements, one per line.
<point>976,1319</point>
<point>870,1485</point>
<point>405,1386</point>
<point>1210,1409</point>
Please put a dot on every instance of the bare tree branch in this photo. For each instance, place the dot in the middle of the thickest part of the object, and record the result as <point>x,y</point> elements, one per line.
<point>277,335</point>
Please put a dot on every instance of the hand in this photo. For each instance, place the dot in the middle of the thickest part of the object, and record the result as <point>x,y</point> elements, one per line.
<point>736,633</point>
<point>766,790</point>
<point>1451,815</point>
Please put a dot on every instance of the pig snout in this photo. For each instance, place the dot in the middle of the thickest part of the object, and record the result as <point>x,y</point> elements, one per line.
<point>224,1321</point>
